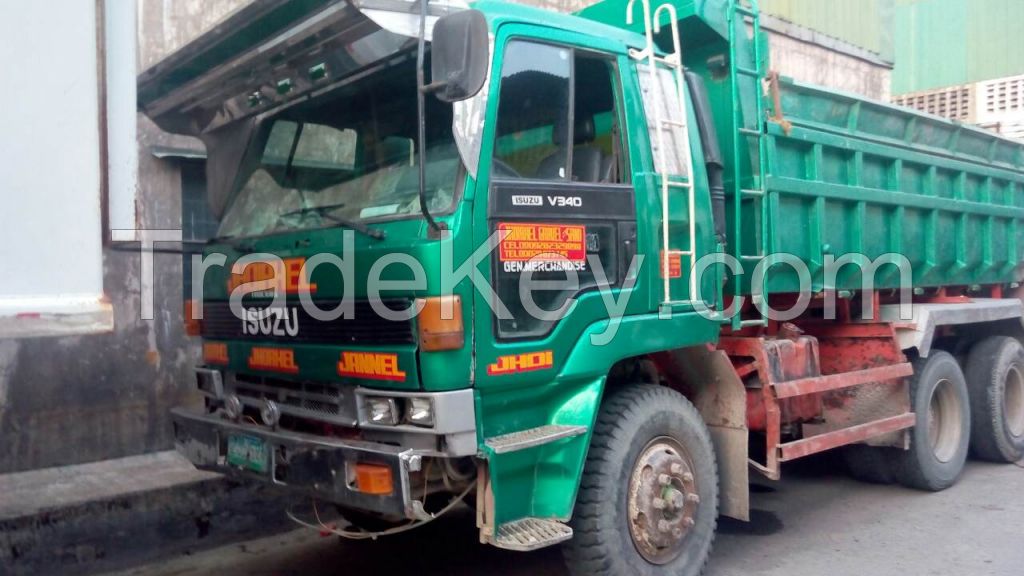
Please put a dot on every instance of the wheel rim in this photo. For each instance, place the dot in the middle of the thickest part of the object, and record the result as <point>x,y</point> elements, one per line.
<point>662,501</point>
<point>1013,401</point>
<point>945,421</point>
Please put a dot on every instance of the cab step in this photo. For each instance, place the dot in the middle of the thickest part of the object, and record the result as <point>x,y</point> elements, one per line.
<point>532,437</point>
<point>530,534</point>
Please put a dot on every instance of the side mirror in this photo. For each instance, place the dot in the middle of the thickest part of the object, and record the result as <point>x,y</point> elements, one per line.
<point>459,54</point>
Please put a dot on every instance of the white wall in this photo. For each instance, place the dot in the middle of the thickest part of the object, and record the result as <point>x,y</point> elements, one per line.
<point>50,226</point>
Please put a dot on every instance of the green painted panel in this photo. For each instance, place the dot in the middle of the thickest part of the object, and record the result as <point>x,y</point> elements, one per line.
<point>940,43</point>
<point>858,177</point>
<point>933,43</point>
<point>865,23</point>
<point>930,45</point>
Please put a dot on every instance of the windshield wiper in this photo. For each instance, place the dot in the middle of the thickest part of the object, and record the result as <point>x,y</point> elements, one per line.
<point>325,212</point>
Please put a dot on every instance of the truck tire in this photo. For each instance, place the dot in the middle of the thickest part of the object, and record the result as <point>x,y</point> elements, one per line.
<point>940,438</point>
<point>648,499</point>
<point>870,464</point>
<point>995,378</point>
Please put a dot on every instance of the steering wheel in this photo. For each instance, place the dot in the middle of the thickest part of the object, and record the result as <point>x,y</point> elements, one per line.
<point>503,170</point>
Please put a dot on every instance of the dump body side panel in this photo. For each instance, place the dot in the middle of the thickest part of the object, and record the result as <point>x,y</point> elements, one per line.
<point>852,176</point>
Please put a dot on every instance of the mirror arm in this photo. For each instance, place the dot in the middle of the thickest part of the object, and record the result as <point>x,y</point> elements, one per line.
<point>433,87</point>
<point>422,118</point>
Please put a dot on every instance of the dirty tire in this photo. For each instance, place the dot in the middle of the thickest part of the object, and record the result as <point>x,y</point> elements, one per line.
<point>939,441</point>
<point>632,419</point>
<point>870,464</point>
<point>995,378</point>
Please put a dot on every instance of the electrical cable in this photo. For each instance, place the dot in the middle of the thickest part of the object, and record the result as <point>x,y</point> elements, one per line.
<point>321,527</point>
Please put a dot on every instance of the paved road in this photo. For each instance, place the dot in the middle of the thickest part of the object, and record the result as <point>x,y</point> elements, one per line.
<point>814,522</point>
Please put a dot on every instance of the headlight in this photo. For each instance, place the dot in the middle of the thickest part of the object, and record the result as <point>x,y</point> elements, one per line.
<point>382,411</point>
<point>419,411</point>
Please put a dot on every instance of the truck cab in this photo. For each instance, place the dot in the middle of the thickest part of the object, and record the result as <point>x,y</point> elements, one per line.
<point>348,347</point>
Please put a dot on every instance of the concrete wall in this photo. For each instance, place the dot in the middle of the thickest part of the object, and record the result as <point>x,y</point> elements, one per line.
<point>77,399</point>
<point>811,57</point>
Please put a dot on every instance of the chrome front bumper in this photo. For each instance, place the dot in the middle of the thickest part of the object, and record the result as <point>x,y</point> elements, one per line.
<point>321,467</point>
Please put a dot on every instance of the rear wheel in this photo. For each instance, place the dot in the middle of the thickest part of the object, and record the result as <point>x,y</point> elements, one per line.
<point>995,373</point>
<point>648,499</point>
<point>939,440</point>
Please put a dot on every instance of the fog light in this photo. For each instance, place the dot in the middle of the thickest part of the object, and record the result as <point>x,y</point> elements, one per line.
<point>270,413</point>
<point>233,407</point>
<point>419,411</point>
<point>382,411</point>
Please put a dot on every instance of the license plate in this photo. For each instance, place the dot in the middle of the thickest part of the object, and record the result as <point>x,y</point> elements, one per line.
<point>248,452</point>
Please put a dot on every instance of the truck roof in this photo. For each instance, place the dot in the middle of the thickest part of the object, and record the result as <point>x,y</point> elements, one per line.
<point>503,12</point>
<point>272,52</point>
<point>267,54</point>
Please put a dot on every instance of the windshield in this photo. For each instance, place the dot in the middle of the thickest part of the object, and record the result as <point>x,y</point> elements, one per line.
<point>348,156</point>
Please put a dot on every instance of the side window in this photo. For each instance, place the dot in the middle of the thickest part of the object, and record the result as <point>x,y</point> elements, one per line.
<point>533,112</point>
<point>539,134</point>
<point>597,135</point>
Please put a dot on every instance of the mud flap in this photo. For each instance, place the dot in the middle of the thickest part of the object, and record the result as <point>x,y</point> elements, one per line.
<point>722,402</point>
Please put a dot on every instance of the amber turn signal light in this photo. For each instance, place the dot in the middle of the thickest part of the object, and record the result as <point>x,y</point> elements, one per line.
<point>193,326</point>
<point>440,323</point>
<point>374,479</point>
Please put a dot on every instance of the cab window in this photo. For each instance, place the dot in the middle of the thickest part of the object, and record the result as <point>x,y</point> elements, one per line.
<point>557,108</point>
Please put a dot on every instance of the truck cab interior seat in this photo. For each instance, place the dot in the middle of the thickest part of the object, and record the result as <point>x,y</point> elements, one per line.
<point>587,158</point>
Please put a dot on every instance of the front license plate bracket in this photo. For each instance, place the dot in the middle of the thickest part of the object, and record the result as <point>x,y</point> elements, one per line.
<point>248,452</point>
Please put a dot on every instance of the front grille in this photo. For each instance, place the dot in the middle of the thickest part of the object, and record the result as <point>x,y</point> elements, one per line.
<point>365,327</point>
<point>314,400</point>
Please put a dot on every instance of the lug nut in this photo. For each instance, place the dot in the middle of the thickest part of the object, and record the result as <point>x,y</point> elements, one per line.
<point>676,469</point>
<point>664,479</point>
<point>659,504</point>
<point>687,477</point>
<point>677,532</point>
<point>664,526</point>
<point>693,498</point>
<point>688,522</point>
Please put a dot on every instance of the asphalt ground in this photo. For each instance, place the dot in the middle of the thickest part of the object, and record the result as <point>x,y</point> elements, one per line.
<point>816,521</point>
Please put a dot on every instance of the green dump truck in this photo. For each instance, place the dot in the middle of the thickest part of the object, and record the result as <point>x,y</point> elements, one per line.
<point>584,273</point>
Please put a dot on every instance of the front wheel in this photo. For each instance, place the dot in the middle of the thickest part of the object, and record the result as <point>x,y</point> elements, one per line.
<point>648,499</point>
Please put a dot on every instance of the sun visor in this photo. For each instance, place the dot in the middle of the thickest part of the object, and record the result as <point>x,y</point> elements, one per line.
<point>273,52</point>
<point>403,16</point>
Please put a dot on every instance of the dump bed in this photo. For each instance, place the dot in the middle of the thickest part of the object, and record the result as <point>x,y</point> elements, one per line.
<point>849,175</point>
<point>814,172</point>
